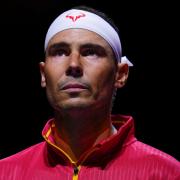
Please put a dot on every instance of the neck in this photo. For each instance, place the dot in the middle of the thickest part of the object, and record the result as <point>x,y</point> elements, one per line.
<point>81,129</point>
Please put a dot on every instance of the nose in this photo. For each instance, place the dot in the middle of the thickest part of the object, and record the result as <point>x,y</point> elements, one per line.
<point>75,67</point>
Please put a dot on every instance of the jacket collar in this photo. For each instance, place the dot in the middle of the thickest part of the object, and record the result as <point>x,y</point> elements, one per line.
<point>105,150</point>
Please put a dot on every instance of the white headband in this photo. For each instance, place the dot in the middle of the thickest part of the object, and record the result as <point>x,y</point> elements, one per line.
<point>75,18</point>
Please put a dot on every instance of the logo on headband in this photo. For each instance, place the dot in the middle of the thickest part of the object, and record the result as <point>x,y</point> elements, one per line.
<point>75,16</point>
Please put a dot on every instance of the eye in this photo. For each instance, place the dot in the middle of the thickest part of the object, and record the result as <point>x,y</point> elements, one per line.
<point>90,52</point>
<point>58,51</point>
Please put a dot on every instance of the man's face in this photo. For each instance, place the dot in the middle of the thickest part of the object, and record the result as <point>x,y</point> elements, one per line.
<point>79,70</point>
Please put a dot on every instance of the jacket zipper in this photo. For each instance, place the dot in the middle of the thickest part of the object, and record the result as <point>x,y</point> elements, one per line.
<point>76,168</point>
<point>76,172</point>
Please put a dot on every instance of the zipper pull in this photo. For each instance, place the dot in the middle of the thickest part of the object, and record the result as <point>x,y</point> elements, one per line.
<point>75,173</point>
<point>76,170</point>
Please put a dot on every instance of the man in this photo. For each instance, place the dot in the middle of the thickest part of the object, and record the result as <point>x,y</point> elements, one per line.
<point>81,73</point>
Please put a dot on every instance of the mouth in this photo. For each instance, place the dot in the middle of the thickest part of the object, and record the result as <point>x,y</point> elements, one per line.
<point>73,87</point>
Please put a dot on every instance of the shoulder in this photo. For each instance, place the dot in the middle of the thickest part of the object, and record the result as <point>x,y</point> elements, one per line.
<point>152,152</point>
<point>24,155</point>
<point>155,159</point>
<point>141,161</point>
<point>22,163</point>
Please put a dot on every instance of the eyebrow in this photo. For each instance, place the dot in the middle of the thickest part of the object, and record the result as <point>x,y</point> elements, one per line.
<point>57,46</point>
<point>91,45</point>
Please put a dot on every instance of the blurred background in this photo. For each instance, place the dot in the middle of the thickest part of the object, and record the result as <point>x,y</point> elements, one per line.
<point>149,34</point>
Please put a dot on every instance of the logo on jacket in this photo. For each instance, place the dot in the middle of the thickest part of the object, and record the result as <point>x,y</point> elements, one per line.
<point>75,16</point>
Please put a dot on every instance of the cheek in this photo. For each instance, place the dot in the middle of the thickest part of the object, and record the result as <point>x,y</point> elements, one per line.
<point>53,73</point>
<point>50,77</point>
<point>103,80</point>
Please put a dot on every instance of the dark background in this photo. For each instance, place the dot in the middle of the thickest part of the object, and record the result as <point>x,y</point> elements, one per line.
<point>149,35</point>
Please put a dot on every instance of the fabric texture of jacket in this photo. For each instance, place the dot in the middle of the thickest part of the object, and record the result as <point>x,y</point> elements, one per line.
<point>120,157</point>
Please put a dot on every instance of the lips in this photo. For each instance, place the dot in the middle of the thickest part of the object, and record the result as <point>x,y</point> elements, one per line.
<point>74,86</point>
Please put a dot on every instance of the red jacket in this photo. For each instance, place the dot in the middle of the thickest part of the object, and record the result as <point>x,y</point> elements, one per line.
<point>120,157</point>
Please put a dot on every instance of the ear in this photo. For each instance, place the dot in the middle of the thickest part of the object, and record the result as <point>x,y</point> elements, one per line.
<point>43,78</point>
<point>121,75</point>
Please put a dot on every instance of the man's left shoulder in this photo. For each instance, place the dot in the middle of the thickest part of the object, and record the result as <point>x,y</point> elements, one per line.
<point>156,156</point>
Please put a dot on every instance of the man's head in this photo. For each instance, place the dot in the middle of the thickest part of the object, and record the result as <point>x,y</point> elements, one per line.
<point>83,61</point>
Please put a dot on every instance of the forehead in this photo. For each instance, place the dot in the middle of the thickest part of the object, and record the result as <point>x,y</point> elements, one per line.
<point>78,37</point>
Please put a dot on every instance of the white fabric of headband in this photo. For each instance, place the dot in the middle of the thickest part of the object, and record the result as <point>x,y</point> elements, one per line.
<point>81,19</point>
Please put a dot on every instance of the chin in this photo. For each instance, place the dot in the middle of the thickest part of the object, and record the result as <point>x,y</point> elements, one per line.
<point>75,104</point>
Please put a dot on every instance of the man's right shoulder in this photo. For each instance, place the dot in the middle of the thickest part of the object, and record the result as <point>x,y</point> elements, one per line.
<point>23,156</point>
